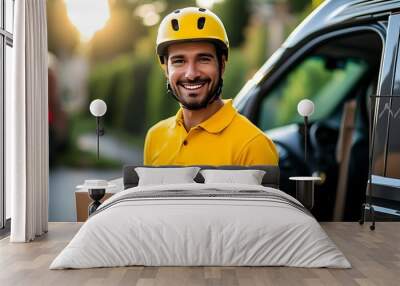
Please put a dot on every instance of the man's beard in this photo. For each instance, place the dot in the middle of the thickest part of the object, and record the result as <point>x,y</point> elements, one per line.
<point>194,105</point>
<point>209,98</point>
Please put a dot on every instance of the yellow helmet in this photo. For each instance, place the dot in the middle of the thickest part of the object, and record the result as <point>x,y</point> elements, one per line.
<point>191,24</point>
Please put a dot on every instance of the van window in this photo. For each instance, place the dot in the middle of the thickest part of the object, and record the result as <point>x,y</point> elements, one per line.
<point>324,80</point>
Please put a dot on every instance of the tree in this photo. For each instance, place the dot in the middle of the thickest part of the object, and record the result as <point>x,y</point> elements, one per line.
<point>297,6</point>
<point>119,34</point>
<point>63,37</point>
<point>235,16</point>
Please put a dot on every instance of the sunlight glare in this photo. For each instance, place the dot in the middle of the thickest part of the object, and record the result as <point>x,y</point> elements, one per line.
<point>150,13</point>
<point>208,4</point>
<point>88,16</point>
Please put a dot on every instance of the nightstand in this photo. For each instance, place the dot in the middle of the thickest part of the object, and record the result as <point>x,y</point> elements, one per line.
<point>305,190</point>
<point>82,199</point>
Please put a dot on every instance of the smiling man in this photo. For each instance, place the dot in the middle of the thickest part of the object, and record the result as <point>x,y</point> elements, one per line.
<point>192,46</point>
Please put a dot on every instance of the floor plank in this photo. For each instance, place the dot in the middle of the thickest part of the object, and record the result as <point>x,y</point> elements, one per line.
<point>374,255</point>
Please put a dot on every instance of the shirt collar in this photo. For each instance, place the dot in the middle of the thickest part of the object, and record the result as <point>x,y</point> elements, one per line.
<point>178,118</point>
<point>217,122</point>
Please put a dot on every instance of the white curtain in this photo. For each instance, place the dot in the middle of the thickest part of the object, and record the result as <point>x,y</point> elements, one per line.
<point>27,124</point>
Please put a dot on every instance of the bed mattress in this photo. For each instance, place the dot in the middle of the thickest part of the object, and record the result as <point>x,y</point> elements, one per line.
<point>201,225</point>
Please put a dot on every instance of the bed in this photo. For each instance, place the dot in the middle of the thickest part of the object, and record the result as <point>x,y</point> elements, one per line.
<point>201,223</point>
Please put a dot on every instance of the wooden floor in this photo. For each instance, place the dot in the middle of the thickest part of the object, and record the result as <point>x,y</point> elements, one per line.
<point>374,255</point>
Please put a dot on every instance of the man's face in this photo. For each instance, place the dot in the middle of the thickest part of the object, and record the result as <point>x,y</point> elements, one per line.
<point>193,71</point>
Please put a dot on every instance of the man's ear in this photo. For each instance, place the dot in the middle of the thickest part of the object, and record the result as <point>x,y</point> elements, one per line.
<point>165,68</point>
<point>223,62</point>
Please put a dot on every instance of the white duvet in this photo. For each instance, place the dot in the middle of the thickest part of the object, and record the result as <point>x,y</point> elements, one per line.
<point>206,230</point>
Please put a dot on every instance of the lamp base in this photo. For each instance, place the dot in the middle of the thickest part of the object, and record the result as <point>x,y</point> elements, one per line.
<point>96,195</point>
<point>305,190</point>
<point>305,193</point>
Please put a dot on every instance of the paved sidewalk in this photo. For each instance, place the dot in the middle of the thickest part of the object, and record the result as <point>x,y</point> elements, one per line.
<point>111,147</point>
<point>63,180</point>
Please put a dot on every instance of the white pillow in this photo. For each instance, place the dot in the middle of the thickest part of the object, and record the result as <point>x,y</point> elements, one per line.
<point>248,177</point>
<point>162,176</point>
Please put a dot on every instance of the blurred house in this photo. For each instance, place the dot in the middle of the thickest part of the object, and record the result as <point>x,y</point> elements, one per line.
<point>58,120</point>
<point>73,74</point>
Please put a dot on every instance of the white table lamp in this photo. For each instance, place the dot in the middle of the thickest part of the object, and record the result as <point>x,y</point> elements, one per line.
<point>98,108</point>
<point>305,108</point>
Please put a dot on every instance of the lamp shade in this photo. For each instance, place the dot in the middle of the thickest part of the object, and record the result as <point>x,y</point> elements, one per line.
<point>98,107</point>
<point>305,107</point>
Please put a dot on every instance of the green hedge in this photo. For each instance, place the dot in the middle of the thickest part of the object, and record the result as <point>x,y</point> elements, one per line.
<point>235,73</point>
<point>120,85</point>
<point>160,104</point>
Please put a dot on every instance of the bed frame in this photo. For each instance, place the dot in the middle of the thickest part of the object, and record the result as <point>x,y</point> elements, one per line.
<point>270,179</point>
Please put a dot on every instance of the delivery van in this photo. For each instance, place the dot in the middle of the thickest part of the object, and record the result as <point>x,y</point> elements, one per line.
<point>344,57</point>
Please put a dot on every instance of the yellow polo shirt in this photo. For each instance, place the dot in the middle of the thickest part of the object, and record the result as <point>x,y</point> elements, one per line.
<point>225,138</point>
